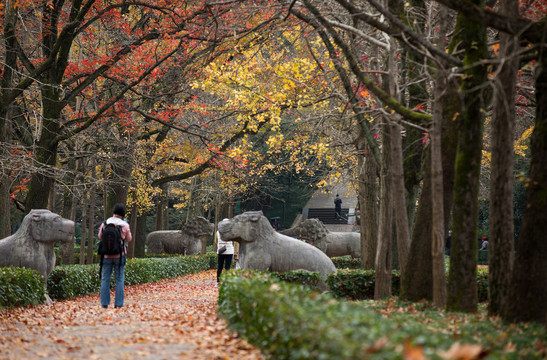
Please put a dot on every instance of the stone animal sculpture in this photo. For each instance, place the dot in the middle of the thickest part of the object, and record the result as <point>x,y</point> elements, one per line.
<point>331,243</point>
<point>185,241</point>
<point>32,245</point>
<point>262,248</point>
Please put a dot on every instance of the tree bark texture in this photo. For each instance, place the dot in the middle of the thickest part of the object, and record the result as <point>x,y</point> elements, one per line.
<point>83,234</point>
<point>139,237</point>
<point>91,224</point>
<point>66,249</point>
<point>399,199</point>
<point>501,238</point>
<point>437,199</point>
<point>368,200</point>
<point>462,281</point>
<point>528,294</point>
<point>382,285</point>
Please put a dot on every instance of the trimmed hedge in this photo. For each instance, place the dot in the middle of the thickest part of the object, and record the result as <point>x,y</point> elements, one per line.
<point>346,262</point>
<point>358,284</point>
<point>21,287</point>
<point>288,321</point>
<point>68,281</point>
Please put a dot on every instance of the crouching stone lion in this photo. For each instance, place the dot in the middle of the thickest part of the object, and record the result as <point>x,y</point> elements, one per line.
<point>331,243</point>
<point>262,248</point>
<point>32,245</point>
<point>185,241</point>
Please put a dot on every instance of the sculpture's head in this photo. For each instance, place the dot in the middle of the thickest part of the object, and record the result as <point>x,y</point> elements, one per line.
<point>247,227</point>
<point>198,226</point>
<point>312,230</point>
<point>46,226</point>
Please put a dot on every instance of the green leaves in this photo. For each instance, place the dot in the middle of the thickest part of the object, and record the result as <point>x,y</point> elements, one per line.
<point>21,287</point>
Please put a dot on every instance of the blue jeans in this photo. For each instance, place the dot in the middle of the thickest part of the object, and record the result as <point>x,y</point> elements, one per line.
<point>119,277</point>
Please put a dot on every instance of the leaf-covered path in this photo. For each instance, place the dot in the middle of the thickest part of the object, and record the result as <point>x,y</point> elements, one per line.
<point>172,319</point>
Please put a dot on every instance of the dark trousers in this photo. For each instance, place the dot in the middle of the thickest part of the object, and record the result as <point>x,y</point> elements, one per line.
<point>224,261</point>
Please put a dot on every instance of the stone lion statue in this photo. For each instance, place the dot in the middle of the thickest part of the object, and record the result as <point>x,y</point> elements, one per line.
<point>262,248</point>
<point>32,245</point>
<point>186,241</point>
<point>331,243</point>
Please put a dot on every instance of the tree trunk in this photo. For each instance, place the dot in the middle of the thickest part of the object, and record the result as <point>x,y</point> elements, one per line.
<point>528,294</point>
<point>399,199</point>
<point>413,147</point>
<point>161,212</point>
<point>139,237</point>
<point>91,224</point>
<point>462,279</point>
<point>42,182</point>
<point>83,235</point>
<point>368,205</point>
<point>417,282</point>
<point>382,284</point>
<point>437,199</point>
<point>67,248</point>
<point>9,67</point>
<point>133,226</point>
<point>501,239</point>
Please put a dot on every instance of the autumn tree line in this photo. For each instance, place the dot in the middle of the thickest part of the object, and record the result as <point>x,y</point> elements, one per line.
<point>425,105</point>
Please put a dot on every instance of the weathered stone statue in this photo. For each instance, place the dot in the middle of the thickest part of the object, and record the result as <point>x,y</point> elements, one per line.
<point>186,241</point>
<point>331,243</point>
<point>32,245</point>
<point>262,248</point>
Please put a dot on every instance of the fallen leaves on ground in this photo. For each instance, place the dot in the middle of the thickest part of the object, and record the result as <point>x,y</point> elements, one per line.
<point>174,318</point>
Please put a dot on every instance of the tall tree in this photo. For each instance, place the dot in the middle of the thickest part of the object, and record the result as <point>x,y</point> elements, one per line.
<point>501,239</point>
<point>462,285</point>
<point>528,292</point>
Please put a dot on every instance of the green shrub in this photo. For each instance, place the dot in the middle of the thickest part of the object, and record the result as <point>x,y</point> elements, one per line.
<point>68,281</point>
<point>288,321</point>
<point>483,257</point>
<point>358,284</point>
<point>346,262</point>
<point>482,284</point>
<point>302,277</point>
<point>21,287</point>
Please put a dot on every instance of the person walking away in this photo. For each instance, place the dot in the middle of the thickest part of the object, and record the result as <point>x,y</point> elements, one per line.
<point>114,262</point>
<point>447,243</point>
<point>337,207</point>
<point>484,245</point>
<point>225,254</point>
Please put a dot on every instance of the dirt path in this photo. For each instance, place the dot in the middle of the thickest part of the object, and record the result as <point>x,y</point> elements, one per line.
<point>171,319</point>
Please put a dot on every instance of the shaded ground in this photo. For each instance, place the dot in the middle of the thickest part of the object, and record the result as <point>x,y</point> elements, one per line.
<point>166,320</point>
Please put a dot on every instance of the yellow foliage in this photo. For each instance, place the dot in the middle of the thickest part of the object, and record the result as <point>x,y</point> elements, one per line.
<point>520,146</point>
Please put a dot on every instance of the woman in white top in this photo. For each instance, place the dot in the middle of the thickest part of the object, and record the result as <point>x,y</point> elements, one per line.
<point>224,258</point>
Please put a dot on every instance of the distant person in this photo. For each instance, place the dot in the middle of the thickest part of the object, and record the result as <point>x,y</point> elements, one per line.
<point>111,261</point>
<point>447,243</point>
<point>337,207</point>
<point>225,254</point>
<point>484,245</point>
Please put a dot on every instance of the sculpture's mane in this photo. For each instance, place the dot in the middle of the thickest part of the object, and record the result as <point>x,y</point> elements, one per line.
<point>197,226</point>
<point>312,230</point>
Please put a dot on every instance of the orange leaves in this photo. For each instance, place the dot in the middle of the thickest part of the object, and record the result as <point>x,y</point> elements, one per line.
<point>464,352</point>
<point>413,352</point>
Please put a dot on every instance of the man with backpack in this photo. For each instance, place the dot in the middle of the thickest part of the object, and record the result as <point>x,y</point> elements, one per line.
<point>113,233</point>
